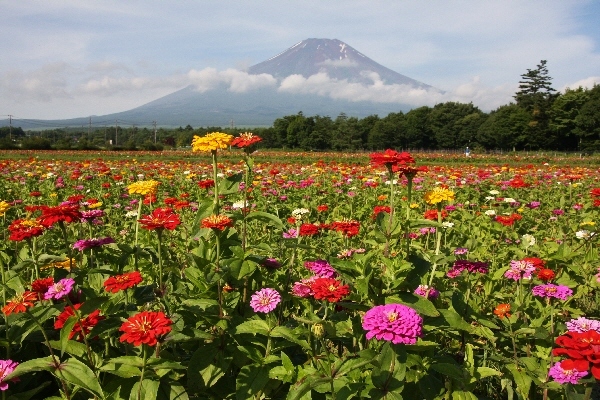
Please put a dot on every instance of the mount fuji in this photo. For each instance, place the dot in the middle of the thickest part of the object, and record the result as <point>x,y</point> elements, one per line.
<point>314,76</point>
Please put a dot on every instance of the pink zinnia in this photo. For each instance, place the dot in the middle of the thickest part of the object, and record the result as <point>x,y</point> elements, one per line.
<point>321,268</point>
<point>60,289</point>
<point>568,371</point>
<point>582,324</point>
<point>304,287</point>
<point>85,244</point>
<point>265,300</point>
<point>394,323</point>
<point>551,290</point>
<point>6,368</point>
<point>423,289</point>
<point>520,270</point>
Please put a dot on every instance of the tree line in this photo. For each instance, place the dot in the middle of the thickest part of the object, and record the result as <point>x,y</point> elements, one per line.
<point>539,118</point>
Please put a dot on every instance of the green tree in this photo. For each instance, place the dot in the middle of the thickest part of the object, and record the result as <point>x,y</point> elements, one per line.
<point>504,128</point>
<point>563,115</point>
<point>454,124</point>
<point>587,122</point>
<point>418,129</point>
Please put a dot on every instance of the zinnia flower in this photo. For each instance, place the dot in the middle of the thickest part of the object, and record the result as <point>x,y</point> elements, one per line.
<point>52,215</point>
<point>4,206</point>
<point>20,303</point>
<point>146,327</point>
<point>390,158</point>
<point>143,187</point>
<point>329,289</point>
<point>583,324</point>
<point>211,142</point>
<point>307,229</point>
<point>127,280</point>
<point>348,228</point>
<point>472,266</point>
<point>394,323</point>
<point>40,286</point>
<point>321,268</point>
<point>6,368</point>
<point>60,289</point>
<point>569,371</point>
<point>85,244</point>
<point>21,229</point>
<point>519,270</point>
<point>265,300</point>
<point>245,139</point>
<point>426,291</point>
<point>303,288</point>
<point>219,222</point>
<point>81,327</point>
<point>206,184</point>
<point>502,310</point>
<point>551,290</point>
<point>161,218</point>
<point>438,195</point>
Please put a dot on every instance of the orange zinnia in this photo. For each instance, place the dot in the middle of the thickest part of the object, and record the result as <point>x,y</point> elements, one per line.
<point>502,310</point>
<point>219,222</point>
<point>20,303</point>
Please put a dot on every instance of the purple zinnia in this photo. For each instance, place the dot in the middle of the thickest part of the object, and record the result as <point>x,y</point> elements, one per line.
<point>551,290</point>
<point>85,244</point>
<point>471,266</point>
<point>566,372</point>
<point>321,268</point>
<point>394,323</point>
<point>265,300</point>
<point>6,368</point>
<point>534,204</point>
<point>271,263</point>
<point>519,270</point>
<point>582,324</point>
<point>423,289</point>
<point>459,251</point>
<point>60,289</point>
<point>91,214</point>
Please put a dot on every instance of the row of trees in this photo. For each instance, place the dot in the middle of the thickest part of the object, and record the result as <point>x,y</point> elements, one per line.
<point>539,118</point>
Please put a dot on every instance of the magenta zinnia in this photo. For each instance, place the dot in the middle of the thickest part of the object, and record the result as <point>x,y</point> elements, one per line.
<point>60,289</point>
<point>394,323</point>
<point>6,368</point>
<point>552,291</point>
<point>265,300</point>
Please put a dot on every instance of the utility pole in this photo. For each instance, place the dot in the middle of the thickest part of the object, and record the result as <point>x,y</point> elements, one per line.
<point>154,124</point>
<point>10,129</point>
<point>116,131</point>
<point>89,128</point>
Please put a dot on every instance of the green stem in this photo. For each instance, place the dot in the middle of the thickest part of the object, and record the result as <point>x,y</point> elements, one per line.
<point>216,188</point>
<point>83,334</point>
<point>160,263</point>
<point>137,228</point>
<point>218,270</point>
<point>144,361</point>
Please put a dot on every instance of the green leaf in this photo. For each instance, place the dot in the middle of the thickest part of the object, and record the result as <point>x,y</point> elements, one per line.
<point>147,390</point>
<point>288,334</point>
<point>37,364</point>
<point>265,217</point>
<point>77,373</point>
<point>298,390</point>
<point>419,303</point>
<point>484,372</point>
<point>250,380</point>
<point>451,370</point>
<point>254,326</point>
<point>463,395</point>
<point>65,332</point>
<point>30,393</point>
<point>522,380</point>
<point>455,321</point>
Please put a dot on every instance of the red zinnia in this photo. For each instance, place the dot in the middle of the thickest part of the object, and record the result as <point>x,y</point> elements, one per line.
<point>122,282</point>
<point>581,346</point>
<point>409,171</point>
<point>245,139</point>
<point>538,263</point>
<point>348,228</point>
<point>508,220</point>
<point>41,286</point>
<point>52,215</point>
<point>502,310</point>
<point>329,289</point>
<point>219,222</point>
<point>81,327</point>
<point>307,229</point>
<point>161,218</point>
<point>545,274</point>
<point>390,158</point>
<point>146,327</point>
<point>432,214</point>
<point>206,184</point>
<point>322,208</point>
<point>380,209</point>
<point>21,229</point>
<point>595,192</point>
<point>20,303</point>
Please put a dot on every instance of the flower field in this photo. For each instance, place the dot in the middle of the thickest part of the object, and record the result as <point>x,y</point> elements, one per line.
<point>223,273</point>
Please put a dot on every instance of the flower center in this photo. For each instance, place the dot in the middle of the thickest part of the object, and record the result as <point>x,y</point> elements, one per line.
<point>392,316</point>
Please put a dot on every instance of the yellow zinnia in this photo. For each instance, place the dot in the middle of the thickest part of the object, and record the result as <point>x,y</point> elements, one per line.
<point>143,187</point>
<point>438,195</point>
<point>211,142</point>
<point>4,206</point>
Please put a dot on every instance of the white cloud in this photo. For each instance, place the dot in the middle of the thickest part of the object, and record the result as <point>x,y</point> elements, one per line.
<point>585,83</point>
<point>237,81</point>
<point>343,63</point>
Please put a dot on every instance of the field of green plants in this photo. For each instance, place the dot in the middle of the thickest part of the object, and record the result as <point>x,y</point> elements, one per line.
<point>224,273</point>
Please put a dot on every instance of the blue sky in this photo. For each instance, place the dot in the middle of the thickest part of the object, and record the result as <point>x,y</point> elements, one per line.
<point>75,58</point>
